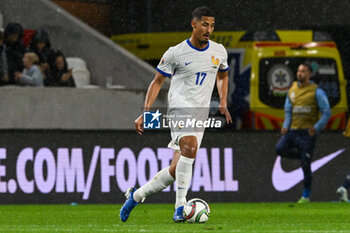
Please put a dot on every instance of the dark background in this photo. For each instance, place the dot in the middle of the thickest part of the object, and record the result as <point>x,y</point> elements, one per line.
<point>157,16</point>
<point>132,16</point>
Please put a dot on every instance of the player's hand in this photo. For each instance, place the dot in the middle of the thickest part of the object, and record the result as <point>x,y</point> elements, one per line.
<point>312,131</point>
<point>139,124</point>
<point>284,131</point>
<point>224,111</point>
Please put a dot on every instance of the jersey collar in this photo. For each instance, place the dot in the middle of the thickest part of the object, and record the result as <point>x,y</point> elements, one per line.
<point>201,50</point>
<point>310,82</point>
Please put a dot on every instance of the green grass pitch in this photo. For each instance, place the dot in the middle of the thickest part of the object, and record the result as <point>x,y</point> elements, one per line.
<point>225,217</point>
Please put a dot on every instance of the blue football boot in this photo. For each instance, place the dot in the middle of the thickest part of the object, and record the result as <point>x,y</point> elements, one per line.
<point>129,204</point>
<point>178,215</point>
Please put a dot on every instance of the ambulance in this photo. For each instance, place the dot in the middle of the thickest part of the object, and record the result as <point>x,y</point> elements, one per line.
<point>264,65</point>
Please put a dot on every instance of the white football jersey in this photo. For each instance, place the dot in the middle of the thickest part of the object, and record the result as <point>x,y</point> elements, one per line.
<point>193,73</point>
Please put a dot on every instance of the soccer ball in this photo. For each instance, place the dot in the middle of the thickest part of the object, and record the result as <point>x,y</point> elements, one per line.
<point>196,211</point>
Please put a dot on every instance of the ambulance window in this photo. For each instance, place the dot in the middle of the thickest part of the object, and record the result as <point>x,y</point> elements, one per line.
<point>278,74</point>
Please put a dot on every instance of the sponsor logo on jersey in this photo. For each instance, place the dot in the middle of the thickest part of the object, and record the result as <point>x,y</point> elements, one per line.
<point>301,109</point>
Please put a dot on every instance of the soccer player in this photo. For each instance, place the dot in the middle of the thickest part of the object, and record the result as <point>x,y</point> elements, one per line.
<point>302,123</point>
<point>342,190</point>
<point>193,66</point>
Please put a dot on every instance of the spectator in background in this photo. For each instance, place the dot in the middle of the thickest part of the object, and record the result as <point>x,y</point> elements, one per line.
<point>41,45</point>
<point>14,49</point>
<point>58,73</point>
<point>31,75</point>
<point>3,61</point>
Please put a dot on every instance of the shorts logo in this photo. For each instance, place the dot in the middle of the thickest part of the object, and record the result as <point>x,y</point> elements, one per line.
<point>151,120</point>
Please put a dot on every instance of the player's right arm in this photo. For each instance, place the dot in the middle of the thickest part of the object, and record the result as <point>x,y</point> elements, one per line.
<point>165,69</point>
<point>152,93</point>
<point>325,109</point>
<point>287,116</point>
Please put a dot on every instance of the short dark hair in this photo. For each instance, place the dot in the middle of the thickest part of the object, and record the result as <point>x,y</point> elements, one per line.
<point>307,64</point>
<point>201,11</point>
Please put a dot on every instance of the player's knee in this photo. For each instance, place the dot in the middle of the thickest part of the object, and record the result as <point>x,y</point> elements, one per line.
<point>173,163</point>
<point>189,146</point>
<point>172,170</point>
<point>279,149</point>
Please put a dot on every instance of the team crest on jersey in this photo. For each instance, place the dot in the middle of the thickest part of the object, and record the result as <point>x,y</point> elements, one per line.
<point>161,61</point>
<point>215,61</point>
<point>292,97</point>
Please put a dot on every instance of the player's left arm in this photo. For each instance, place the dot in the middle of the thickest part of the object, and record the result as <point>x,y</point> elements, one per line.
<point>222,85</point>
<point>324,108</point>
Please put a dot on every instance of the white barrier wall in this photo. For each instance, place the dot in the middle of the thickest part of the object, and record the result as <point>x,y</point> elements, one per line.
<point>71,108</point>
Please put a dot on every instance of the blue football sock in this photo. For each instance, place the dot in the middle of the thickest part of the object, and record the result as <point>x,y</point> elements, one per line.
<point>306,192</point>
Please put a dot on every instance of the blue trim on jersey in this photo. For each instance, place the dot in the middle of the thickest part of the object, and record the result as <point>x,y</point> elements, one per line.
<point>163,73</point>
<point>223,70</point>
<point>323,106</point>
<point>201,50</point>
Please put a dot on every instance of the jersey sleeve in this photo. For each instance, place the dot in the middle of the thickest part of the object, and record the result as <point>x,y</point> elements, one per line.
<point>324,108</point>
<point>287,113</point>
<point>224,66</point>
<point>167,64</point>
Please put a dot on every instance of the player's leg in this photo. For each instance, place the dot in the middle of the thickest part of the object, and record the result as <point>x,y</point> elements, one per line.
<point>183,172</point>
<point>173,163</point>
<point>286,147</point>
<point>306,146</point>
<point>159,182</point>
<point>129,204</point>
<point>342,190</point>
